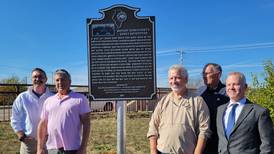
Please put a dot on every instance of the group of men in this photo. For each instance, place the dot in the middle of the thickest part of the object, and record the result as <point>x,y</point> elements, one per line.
<point>217,118</point>
<point>49,123</point>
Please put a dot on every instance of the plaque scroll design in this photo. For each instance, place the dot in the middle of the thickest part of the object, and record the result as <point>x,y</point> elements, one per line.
<point>119,17</point>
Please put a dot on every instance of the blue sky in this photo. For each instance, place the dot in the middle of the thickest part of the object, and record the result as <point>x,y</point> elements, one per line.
<point>52,34</point>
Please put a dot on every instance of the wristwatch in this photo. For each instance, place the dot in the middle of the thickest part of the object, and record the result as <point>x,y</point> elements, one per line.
<point>22,137</point>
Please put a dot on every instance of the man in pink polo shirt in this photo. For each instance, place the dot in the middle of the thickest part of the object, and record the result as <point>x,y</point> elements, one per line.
<point>63,116</point>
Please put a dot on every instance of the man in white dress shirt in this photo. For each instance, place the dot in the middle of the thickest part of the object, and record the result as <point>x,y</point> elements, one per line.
<point>26,110</point>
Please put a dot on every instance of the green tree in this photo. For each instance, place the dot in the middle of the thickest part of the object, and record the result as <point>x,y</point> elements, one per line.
<point>8,93</point>
<point>263,93</point>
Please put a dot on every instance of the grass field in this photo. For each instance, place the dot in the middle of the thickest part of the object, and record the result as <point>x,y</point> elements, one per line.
<point>103,138</point>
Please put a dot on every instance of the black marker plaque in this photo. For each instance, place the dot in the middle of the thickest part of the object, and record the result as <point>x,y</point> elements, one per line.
<point>121,55</point>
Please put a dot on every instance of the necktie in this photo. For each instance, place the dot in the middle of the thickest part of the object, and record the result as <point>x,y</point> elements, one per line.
<point>231,120</point>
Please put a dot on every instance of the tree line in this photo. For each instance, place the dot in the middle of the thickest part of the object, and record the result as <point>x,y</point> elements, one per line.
<point>263,92</point>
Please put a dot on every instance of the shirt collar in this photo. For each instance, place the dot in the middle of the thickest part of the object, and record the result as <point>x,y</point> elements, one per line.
<point>32,93</point>
<point>240,102</point>
<point>65,97</point>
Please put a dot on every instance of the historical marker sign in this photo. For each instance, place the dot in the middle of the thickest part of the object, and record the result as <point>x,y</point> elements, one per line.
<point>121,55</point>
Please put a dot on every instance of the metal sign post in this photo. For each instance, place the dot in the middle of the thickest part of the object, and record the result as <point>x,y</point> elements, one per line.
<point>121,127</point>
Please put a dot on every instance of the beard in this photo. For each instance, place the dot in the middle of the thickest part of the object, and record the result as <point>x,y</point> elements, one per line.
<point>38,82</point>
<point>176,88</point>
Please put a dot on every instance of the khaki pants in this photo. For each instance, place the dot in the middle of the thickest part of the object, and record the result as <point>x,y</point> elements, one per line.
<point>61,151</point>
<point>28,147</point>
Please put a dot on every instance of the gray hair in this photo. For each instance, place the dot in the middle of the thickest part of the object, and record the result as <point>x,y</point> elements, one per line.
<point>240,75</point>
<point>179,68</point>
<point>216,67</point>
<point>63,71</point>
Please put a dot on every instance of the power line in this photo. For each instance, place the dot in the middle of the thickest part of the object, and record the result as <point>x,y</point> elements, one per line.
<point>221,48</point>
<point>181,52</point>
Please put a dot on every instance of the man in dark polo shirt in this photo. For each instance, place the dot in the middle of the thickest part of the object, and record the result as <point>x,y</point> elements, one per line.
<point>214,95</point>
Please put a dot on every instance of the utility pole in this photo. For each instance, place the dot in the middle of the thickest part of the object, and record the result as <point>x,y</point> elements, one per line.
<point>26,80</point>
<point>181,52</point>
<point>52,78</point>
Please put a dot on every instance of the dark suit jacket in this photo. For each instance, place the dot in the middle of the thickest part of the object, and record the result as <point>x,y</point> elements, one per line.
<point>252,134</point>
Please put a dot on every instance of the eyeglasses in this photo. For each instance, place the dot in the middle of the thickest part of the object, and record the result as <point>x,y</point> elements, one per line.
<point>209,73</point>
<point>38,76</point>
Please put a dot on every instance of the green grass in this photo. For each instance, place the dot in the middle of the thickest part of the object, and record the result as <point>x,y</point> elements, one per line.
<point>103,137</point>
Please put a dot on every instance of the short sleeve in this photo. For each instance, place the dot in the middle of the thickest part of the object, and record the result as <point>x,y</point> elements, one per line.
<point>44,113</point>
<point>84,105</point>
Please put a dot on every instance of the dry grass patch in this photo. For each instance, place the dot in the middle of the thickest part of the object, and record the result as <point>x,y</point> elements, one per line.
<point>103,138</point>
